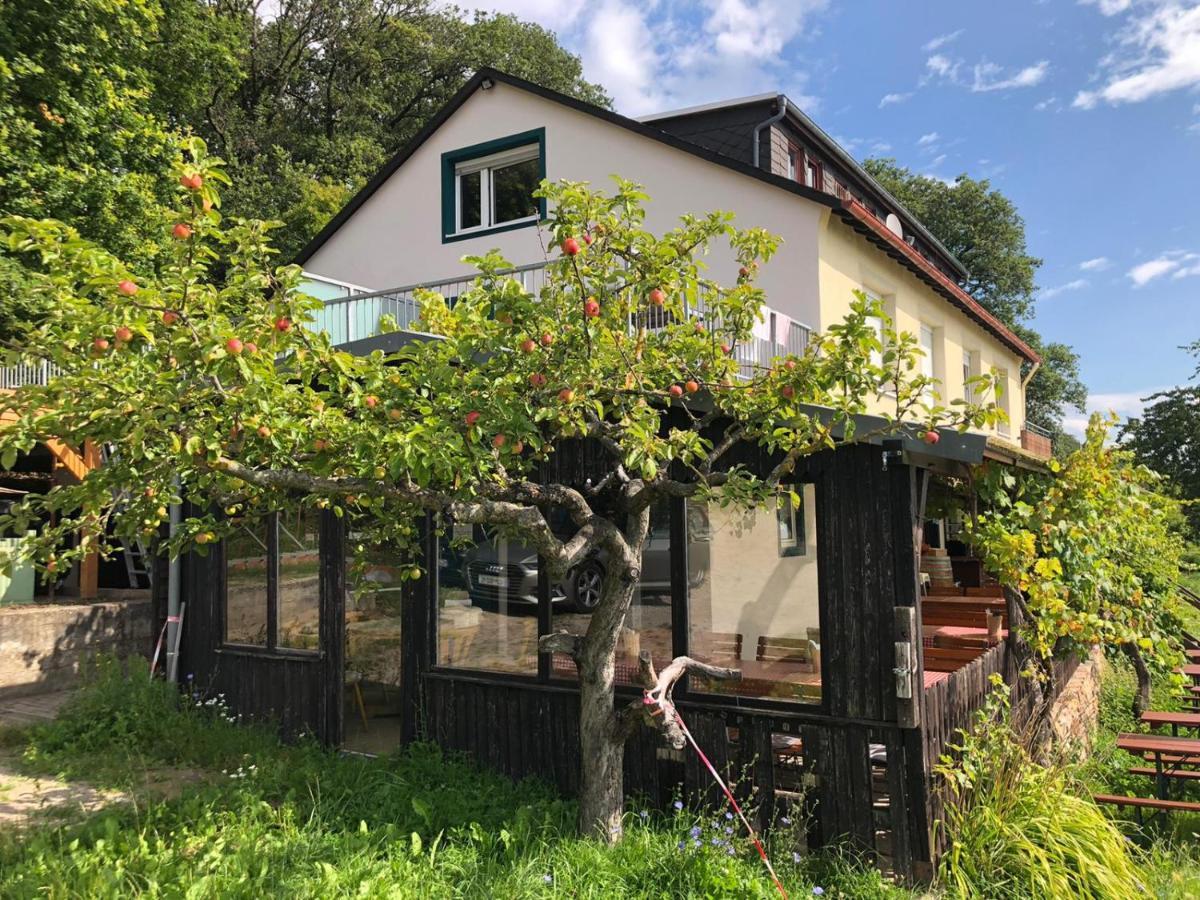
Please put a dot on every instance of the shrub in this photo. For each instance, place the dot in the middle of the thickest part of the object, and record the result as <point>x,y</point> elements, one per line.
<point>1021,829</point>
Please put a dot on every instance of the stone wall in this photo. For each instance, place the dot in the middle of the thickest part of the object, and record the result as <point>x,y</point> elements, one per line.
<point>42,647</point>
<point>1077,707</point>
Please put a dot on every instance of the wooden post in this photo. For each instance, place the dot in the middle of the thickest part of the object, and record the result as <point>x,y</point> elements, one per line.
<point>89,567</point>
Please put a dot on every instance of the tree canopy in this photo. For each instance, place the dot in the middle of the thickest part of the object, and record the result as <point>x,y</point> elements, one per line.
<point>207,383</point>
<point>1166,437</point>
<point>983,228</point>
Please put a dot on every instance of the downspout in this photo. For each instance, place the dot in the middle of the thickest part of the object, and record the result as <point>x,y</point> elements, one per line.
<point>783,106</point>
<point>174,571</point>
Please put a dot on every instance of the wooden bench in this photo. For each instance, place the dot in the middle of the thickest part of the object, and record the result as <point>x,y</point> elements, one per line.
<point>1186,774</point>
<point>1143,803</point>
<point>794,651</point>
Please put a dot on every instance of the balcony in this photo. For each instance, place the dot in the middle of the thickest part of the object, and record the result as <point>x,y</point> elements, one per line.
<point>13,377</point>
<point>1037,441</point>
<point>359,316</point>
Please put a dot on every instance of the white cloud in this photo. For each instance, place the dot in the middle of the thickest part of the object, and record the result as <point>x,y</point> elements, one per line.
<point>1098,264</point>
<point>941,40</point>
<point>1125,404</point>
<point>991,77</point>
<point>1177,263</point>
<point>1108,7</point>
<point>651,56</point>
<point>889,99</point>
<point>942,66</point>
<point>926,139</point>
<point>937,160</point>
<point>881,147</point>
<point>1077,284</point>
<point>1159,53</point>
<point>1048,103</point>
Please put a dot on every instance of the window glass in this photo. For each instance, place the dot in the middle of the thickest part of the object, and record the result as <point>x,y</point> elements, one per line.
<point>246,565</point>
<point>512,190</point>
<point>299,585</point>
<point>375,579</point>
<point>648,624</point>
<point>791,165</point>
<point>753,601</point>
<point>469,193</point>
<point>486,601</point>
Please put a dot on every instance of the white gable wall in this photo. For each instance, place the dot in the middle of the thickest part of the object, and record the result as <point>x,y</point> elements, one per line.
<point>395,237</point>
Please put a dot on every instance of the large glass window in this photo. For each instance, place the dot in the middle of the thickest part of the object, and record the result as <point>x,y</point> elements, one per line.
<point>753,601</point>
<point>272,576</point>
<point>648,623</point>
<point>498,189</point>
<point>247,580</point>
<point>299,582</point>
<point>375,580</point>
<point>486,601</point>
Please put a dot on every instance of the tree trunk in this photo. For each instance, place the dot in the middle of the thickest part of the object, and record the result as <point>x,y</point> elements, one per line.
<point>602,794</point>
<point>1141,697</point>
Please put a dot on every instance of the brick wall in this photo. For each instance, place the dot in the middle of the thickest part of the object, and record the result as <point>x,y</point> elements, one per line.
<point>42,647</point>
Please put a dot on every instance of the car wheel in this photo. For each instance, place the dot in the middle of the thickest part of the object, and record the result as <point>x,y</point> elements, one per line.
<point>586,584</point>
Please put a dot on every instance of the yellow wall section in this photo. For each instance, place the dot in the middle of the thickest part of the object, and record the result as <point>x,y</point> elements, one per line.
<point>848,263</point>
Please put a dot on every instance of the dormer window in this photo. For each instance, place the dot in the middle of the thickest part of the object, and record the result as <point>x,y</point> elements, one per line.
<point>489,187</point>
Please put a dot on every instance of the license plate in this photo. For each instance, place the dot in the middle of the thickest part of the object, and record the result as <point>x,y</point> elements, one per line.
<point>493,580</point>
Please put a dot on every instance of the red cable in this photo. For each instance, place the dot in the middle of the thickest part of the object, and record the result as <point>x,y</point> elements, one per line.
<point>724,787</point>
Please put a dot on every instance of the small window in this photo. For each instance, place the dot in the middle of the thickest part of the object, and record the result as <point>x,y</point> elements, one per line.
<point>790,519</point>
<point>970,369</point>
<point>928,356</point>
<point>812,173</point>
<point>489,187</point>
<point>791,163</point>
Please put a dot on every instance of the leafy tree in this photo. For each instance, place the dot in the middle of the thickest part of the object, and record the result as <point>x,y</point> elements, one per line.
<point>983,228</point>
<point>1166,437</point>
<point>79,141</point>
<point>1092,555</point>
<point>309,103</point>
<point>203,374</point>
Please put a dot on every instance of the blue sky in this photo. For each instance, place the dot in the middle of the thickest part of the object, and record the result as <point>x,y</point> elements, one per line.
<point>1086,114</point>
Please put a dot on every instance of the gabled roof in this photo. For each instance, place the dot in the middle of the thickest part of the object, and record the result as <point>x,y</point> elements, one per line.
<point>926,272</point>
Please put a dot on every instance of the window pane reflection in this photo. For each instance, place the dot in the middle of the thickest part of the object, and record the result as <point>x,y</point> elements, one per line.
<point>299,589</point>
<point>648,624</point>
<point>756,607</point>
<point>512,190</point>
<point>487,602</point>
<point>246,561</point>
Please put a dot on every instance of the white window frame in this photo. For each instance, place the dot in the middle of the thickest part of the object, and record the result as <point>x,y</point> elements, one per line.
<point>485,166</point>
<point>970,369</point>
<point>929,355</point>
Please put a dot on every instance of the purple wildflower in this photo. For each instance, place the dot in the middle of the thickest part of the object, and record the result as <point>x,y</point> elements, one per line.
<point>645,815</point>
<point>549,879</point>
<point>695,832</point>
<point>785,821</point>
<point>728,815</point>
<point>818,890</point>
<point>731,852</point>
<point>681,845</point>
<point>795,857</point>
<point>678,804</point>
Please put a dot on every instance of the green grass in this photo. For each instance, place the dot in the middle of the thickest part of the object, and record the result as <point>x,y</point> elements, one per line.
<point>298,821</point>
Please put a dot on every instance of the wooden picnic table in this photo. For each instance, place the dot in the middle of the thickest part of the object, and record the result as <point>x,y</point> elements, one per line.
<point>1168,754</point>
<point>1189,721</point>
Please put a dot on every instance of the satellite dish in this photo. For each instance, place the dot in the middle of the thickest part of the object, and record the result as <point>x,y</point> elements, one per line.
<point>894,226</point>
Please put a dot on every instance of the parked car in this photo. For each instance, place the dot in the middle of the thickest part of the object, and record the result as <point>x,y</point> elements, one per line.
<point>501,571</point>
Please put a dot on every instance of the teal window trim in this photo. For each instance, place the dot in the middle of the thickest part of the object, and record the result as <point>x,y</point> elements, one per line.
<point>451,158</point>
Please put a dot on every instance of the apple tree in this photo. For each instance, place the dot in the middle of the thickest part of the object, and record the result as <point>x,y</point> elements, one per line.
<point>208,386</point>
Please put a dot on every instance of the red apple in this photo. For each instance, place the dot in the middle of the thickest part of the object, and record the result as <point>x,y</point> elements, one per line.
<point>790,365</point>
<point>657,297</point>
<point>547,339</point>
<point>395,415</point>
<point>250,347</point>
<point>699,326</point>
<point>123,334</point>
<point>182,231</point>
<point>233,346</point>
<point>675,390</point>
<point>587,239</point>
<point>726,349</point>
<point>743,272</point>
<point>100,345</point>
<point>691,387</point>
<point>537,380</point>
<point>788,391</point>
<point>191,182</point>
<point>504,319</point>
<point>320,445</point>
<point>471,418</point>
<point>570,246</point>
<point>127,287</point>
<point>528,345</point>
<point>519,447</point>
<point>591,308</point>
<point>931,437</point>
<point>371,401</point>
<point>264,432</point>
<point>170,317</point>
<point>499,441</point>
<point>283,323</point>
<point>566,395</point>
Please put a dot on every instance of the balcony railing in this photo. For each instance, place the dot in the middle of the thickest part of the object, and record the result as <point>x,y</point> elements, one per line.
<point>1037,440</point>
<point>360,316</point>
<point>12,377</point>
